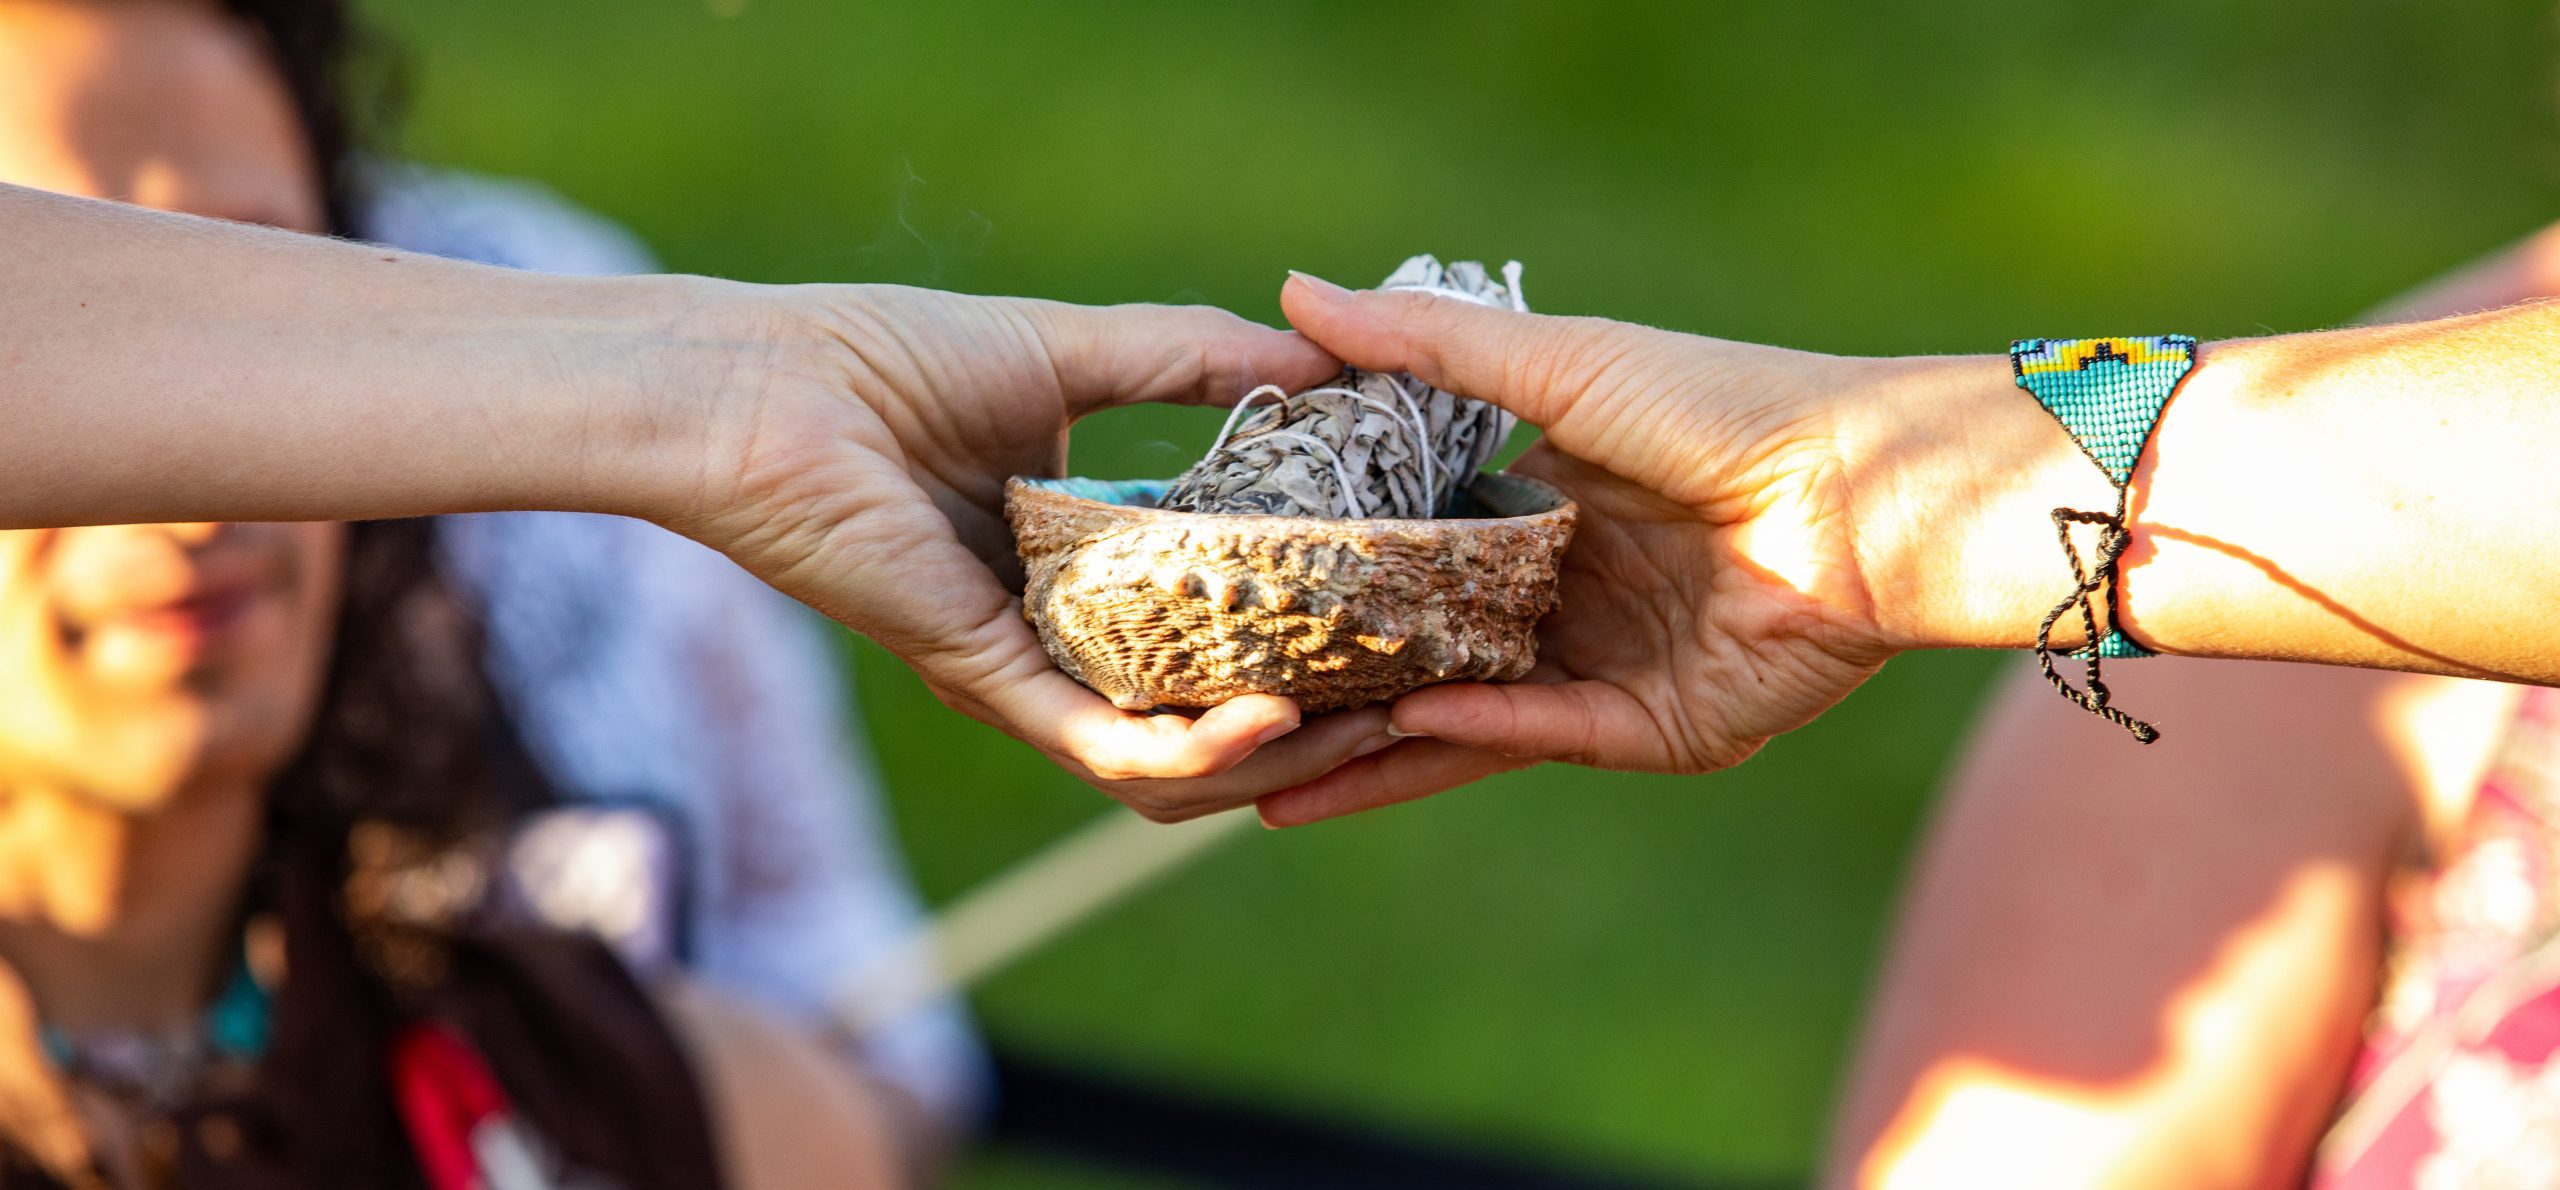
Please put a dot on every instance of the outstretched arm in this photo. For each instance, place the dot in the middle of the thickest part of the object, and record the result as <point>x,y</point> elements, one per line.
<point>2365,497</point>
<point>1763,528</point>
<point>158,367</point>
<point>848,444</point>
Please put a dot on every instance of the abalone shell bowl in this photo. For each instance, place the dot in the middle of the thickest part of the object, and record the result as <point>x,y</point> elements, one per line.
<point>1154,608</point>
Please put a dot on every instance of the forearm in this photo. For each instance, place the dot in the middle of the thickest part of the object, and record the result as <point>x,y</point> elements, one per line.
<point>2369,497</point>
<point>160,368</point>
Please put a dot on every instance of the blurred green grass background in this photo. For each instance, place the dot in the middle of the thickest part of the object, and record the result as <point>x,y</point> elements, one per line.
<point>1648,974</point>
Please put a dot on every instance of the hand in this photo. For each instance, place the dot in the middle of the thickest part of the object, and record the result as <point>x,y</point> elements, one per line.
<point>1712,597</point>
<point>858,462</point>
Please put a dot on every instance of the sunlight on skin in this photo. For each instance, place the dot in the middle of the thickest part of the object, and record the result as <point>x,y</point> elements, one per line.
<point>1785,541</point>
<point>1974,1122</point>
<point>62,825</point>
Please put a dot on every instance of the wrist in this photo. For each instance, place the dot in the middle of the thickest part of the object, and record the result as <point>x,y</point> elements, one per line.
<point>1954,475</point>
<point>678,365</point>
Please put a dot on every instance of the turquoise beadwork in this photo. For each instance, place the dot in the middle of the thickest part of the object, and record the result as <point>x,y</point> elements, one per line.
<point>2114,646</point>
<point>2108,393</point>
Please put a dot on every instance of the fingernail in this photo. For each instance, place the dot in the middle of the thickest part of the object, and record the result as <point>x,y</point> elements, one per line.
<point>1273,732</point>
<point>1402,734</point>
<point>1321,287</point>
<point>1374,743</point>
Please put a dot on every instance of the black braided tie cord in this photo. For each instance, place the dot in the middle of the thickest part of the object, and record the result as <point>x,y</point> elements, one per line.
<point>2093,582</point>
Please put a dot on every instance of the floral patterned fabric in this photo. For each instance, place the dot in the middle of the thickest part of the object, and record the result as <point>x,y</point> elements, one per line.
<point>2458,1086</point>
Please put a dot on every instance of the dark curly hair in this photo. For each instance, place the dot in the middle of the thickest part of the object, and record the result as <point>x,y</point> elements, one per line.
<point>345,88</point>
<point>410,769</point>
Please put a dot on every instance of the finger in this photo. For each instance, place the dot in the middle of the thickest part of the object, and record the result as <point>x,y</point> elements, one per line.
<point>1121,355</point>
<point>1223,736</point>
<point>1412,769</point>
<point>1578,722</point>
<point>1110,745</point>
<point>1316,748</point>
<point>1531,364</point>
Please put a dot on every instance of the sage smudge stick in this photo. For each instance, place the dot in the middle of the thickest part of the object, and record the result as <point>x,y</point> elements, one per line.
<point>1370,444</point>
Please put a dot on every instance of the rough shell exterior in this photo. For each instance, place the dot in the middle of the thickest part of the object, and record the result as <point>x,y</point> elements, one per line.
<point>1155,608</point>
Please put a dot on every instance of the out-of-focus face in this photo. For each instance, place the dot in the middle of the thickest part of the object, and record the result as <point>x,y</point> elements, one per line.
<point>136,659</point>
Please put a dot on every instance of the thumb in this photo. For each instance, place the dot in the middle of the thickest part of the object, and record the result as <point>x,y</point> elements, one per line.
<point>1120,355</point>
<point>1534,365</point>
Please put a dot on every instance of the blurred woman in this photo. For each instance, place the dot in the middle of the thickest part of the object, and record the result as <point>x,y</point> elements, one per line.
<point>249,778</point>
<point>2311,943</point>
<point>255,782</point>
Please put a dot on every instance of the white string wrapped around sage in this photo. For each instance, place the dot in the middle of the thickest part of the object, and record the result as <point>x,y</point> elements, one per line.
<point>1369,444</point>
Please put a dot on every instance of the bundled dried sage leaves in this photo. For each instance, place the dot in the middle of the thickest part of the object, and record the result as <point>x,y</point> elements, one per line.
<point>1370,444</point>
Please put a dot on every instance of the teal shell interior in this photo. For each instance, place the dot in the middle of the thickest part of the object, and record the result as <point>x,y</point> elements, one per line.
<point>1139,493</point>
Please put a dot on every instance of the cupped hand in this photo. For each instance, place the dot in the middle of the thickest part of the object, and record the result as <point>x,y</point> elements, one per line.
<point>1712,597</point>
<point>858,463</point>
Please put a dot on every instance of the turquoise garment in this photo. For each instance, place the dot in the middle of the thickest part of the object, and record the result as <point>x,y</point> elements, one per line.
<point>239,1024</point>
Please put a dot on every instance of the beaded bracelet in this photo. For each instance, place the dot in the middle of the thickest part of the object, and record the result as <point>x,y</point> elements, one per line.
<point>2108,393</point>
